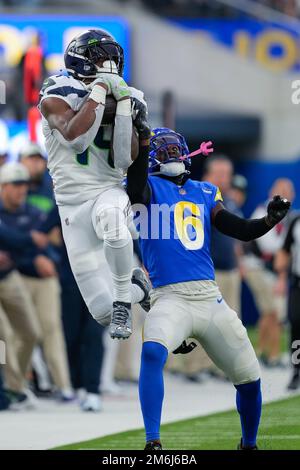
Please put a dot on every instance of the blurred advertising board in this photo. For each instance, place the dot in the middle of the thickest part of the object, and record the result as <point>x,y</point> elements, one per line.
<point>274,46</point>
<point>56,31</point>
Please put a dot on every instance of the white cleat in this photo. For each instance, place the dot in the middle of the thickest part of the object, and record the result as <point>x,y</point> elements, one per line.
<point>92,402</point>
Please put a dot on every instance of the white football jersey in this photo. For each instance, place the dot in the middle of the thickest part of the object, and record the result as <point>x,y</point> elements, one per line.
<point>78,178</point>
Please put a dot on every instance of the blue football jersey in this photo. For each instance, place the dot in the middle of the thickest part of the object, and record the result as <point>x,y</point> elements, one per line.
<point>175,231</point>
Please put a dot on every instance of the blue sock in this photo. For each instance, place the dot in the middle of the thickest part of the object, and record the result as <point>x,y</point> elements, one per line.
<point>151,387</point>
<point>248,402</point>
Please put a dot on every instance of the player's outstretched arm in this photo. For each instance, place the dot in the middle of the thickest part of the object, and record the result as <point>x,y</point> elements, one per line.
<point>249,229</point>
<point>138,188</point>
<point>76,129</point>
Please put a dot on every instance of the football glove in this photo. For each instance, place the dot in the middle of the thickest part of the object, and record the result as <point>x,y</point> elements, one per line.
<point>185,348</point>
<point>116,85</point>
<point>277,210</point>
<point>140,118</point>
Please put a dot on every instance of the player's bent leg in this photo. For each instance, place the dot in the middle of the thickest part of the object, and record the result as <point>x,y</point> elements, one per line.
<point>226,341</point>
<point>87,261</point>
<point>110,217</point>
<point>110,223</point>
<point>97,296</point>
<point>151,389</point>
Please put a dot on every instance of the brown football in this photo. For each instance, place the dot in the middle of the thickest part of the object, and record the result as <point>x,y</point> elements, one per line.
<point>109,111</point>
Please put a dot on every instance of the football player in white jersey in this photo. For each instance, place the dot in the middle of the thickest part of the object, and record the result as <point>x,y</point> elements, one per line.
<point>93,206</point>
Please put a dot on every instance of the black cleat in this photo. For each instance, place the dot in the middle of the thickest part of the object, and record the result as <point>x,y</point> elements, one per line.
<point>139,278</point>
<point>153,446</point>
<point>241,447</point>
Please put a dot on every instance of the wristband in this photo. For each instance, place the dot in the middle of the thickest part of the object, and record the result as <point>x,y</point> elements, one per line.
<point>98,94</point>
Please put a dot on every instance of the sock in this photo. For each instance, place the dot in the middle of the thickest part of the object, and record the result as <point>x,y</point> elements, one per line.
<point>248,402</point>
<point>119,256</point>
<point>151,387</point>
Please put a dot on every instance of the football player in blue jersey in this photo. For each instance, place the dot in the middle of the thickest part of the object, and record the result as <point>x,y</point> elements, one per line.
<point>186,301</point>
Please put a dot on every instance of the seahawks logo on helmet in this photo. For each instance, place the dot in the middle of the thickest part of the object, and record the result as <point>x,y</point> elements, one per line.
<point>85,52</point>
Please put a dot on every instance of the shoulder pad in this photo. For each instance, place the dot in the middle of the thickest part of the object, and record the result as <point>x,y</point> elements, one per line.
<point>62,85</point>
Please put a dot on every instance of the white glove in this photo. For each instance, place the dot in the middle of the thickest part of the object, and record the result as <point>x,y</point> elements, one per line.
<point>117,85</point>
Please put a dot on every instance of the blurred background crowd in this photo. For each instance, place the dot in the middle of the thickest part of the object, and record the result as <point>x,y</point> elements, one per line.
<point>225,8</point>
<point>213,70</point>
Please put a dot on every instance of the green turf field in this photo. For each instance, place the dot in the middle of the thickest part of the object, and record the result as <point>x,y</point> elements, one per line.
<point>280,429</point>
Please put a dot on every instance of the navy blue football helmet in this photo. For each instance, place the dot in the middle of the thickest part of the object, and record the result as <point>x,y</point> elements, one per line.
<point>84,51</point>
<point>167,146</point>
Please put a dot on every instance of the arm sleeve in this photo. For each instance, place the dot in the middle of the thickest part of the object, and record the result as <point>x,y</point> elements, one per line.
<point>138,188</point>
<point>237,227</point>
<point>289,239</point>
<point>122,135</point>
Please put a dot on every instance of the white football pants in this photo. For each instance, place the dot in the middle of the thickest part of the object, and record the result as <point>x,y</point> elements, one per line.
<point>87,228</point>
<point>196,309</point>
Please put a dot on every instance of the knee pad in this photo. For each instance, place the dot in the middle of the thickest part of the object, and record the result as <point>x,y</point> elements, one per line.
<point>103,320</point>
<point>100,312</point>
<point>154,353</point>
<point>111,224</point>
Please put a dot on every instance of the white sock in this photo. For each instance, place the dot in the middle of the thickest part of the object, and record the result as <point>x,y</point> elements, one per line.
<point>119,256</point>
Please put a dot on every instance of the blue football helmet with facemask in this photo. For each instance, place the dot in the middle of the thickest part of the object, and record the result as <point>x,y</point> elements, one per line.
<point>167,149</point>
<point>88,49</point>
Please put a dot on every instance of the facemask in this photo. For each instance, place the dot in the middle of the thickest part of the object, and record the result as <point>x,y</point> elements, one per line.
<point>108,66</point>
<point>172,169</point>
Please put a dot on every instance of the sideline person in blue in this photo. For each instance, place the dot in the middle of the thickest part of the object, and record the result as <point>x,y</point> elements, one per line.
<point>186,301</point>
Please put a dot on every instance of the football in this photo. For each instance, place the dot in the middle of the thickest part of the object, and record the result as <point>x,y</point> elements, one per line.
<point>109,111</point>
